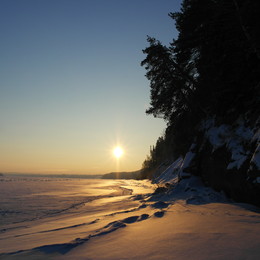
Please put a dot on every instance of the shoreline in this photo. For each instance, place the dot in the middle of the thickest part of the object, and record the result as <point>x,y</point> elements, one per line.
<point>180,224</point>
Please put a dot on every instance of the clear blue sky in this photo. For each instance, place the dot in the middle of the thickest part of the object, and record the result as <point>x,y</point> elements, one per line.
<point>71,83</point>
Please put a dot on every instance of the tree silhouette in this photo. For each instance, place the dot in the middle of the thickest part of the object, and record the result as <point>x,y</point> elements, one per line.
<point>211,70</point>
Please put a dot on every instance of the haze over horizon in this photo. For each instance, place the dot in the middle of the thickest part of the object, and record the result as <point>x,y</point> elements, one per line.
<point>72,88</point>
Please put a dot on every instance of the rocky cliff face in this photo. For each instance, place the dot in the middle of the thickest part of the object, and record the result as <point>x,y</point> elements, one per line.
<point>226,157</point>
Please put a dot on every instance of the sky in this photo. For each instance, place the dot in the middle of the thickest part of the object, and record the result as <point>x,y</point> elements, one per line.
<point>71,83</point>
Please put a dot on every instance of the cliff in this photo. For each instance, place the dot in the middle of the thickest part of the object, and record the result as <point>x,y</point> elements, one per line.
<point>225,156</point>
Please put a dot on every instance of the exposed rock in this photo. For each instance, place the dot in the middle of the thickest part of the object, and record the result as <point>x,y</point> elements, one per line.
<point>226,157</point>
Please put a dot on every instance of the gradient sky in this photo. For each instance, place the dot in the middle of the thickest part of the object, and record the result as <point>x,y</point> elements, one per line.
<point>72,86</point>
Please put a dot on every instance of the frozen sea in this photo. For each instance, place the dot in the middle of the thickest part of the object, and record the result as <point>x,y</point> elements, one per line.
<point>69,218</point>
<point>26,198</point>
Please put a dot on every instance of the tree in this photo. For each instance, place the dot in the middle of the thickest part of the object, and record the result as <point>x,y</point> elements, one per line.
<point>166,83</point>
<point>211,70</point>
<point>218,43</point>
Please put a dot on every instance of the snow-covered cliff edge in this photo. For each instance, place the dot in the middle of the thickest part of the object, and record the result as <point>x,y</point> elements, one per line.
<point>225,156</point>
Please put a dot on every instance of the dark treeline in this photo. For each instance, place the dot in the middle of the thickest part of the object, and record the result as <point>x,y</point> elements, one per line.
<point>211,69</point>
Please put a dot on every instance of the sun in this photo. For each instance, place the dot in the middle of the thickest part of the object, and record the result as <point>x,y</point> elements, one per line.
<point>118,152</point>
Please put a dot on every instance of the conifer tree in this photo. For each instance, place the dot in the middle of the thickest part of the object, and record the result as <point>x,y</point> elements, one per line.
<point>166,82</point>
<point>211,69</point>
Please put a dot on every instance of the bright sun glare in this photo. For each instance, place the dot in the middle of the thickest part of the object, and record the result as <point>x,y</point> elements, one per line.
<point>118,152</point>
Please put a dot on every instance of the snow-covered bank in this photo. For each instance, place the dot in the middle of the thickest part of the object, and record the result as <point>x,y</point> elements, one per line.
<point>225,156</point>
<point>189,221</point>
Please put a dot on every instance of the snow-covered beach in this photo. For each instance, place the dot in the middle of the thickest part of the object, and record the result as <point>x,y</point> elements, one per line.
<point>62,218</point>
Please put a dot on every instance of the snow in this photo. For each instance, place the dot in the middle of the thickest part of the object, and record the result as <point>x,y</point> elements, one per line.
<point>123,220</point>
<point>233,137</point>
<point>171,173</point>
<point>177,170</point>
<point>256,157</point>
<point>217,135</point>
<point>186,162</point>
<point>238,154</point>
<point>255,160</point>
<point>256,136</point>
